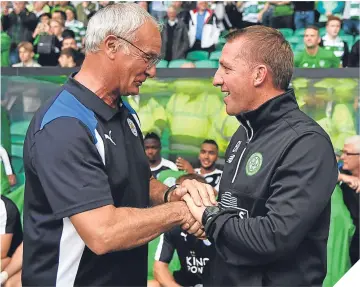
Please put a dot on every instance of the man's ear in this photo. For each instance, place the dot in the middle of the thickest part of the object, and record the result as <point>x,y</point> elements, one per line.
<point>110,46</point>
<point>259,75</point>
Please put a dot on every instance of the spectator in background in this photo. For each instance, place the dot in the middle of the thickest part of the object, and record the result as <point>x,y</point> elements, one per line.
<point>331,40</point>
<point>304,14</point>
<point>11,273</point>
<point>43,27</point>
<point>182,11</point>
<point>69,42</point>
<point>175,40</point>
<point>38,8</point>
<point>329,8</point>
<point>8,177</point>
<point>314,56</point>
<point>59,16</point>
<point>84,9</point>
<point>232,10</point>
<point>10,230</point>
<point>67,58</point>
<point>351,18</point>
<point>157,163</point>
<point>354,55</point>
<point>26,55</point>
<point>252,12</point>
<point>208,156</point>
<point>5,41</point>
<point>194,254</point>
<point>56,29</point>
<point>74,25</point>
<point>203,31</point>
<point>158,10</point>
<point>19,25</point>
<point>350,184</point>
<point>61,6</point>
<point>143,4</point>
<point>282,15</point>
<point>103,4</point>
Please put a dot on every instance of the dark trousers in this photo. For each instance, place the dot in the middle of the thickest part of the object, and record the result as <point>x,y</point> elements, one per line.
<point>197,47</point>
<point>282,22</point>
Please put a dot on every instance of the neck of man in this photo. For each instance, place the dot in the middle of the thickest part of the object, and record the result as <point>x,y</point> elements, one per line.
<point>331,37</point>
<point>356,173</point>
<point>265,94</point>
<point>94,78</point>
<point>28,62</point>
<point>155,162</point>
<point>204,170</point>
<point>312,50</point>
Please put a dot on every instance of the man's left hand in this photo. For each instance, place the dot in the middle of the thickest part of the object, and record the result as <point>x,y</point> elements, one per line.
<point>202,194</point>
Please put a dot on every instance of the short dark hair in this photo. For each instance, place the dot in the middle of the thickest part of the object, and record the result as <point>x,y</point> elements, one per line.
<point>333,18</point>
<point>152,136</point>
<point>45,14</point>
<point>314,27</point>
<point>195,176</point>
<point>267,46</point>
<point>69,52</point>
<point>62,13</point>
<point>67,33</point>
<point>209,141</point>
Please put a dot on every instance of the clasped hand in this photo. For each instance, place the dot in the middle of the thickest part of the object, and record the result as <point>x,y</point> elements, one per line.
<point>197,196</point>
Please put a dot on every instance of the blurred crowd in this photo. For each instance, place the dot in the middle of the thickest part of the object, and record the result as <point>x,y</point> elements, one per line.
<point>322,34</point>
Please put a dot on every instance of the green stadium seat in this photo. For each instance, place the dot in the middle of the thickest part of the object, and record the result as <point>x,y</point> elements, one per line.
<point>162,64</point>
<point>295,40</point>
<point>215,55</point>
<point>219,46</point>
<point>197,55</point>
<point>19,128</point>
<point>299,32</point>
<point>349,39</point>
<point>299,47</point>
<point>206,64</point>
<point>17,150</point>
<point>286,32</point>
<point>17,164</point>
<point>17,139</point>
<point>356,38</point>
<point>178,63</point>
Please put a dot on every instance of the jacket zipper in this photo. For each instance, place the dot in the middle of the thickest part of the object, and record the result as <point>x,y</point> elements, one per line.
<point>246,144</point>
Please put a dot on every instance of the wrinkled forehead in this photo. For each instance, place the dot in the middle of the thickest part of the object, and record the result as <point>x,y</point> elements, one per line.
<point>149,37</point>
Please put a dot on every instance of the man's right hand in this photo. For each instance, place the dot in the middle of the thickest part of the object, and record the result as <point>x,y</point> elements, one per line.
<point>352,181</point>
<point>183,164</point>
<point>190,224</point>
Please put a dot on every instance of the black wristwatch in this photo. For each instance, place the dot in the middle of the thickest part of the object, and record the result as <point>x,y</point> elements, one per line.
<point>209,212</point>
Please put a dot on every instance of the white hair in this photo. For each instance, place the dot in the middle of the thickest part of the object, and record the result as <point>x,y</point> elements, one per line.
<point>355,141</point>
<point>122,19</point>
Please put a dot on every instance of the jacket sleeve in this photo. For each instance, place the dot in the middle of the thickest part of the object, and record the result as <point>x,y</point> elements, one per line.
<point>339,7</point>
<point>345,57</point>
<point>184,45</point>
<point>320,7</point>
<point>300,189</point>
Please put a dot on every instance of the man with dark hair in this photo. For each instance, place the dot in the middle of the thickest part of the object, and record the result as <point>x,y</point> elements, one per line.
<point>157,163</point>
<point>208,156</point>
<point>59,16</point>
<point>331,40</point>
<point>313,55</point>
<point>67,58</point>
<point>272,223</point>
<point>194,254</point>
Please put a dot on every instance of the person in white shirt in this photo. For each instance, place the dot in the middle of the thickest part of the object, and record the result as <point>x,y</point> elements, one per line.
<point>157,163</point>
<point>208,156</point>
<point>4,159</point>
<point>26,55</point>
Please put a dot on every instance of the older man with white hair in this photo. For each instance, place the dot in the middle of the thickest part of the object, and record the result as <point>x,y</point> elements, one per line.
<point>350,185</point>
<point>88,182</point>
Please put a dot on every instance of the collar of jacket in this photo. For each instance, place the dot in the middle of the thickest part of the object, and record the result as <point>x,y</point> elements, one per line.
<point>268,112</point>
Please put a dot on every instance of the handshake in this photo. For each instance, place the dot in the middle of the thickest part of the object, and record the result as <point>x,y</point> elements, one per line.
<point>196,196</point>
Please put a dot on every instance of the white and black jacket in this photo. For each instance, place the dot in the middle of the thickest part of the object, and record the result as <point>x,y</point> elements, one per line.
<point>210,33</point>
<point>279,174</point>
